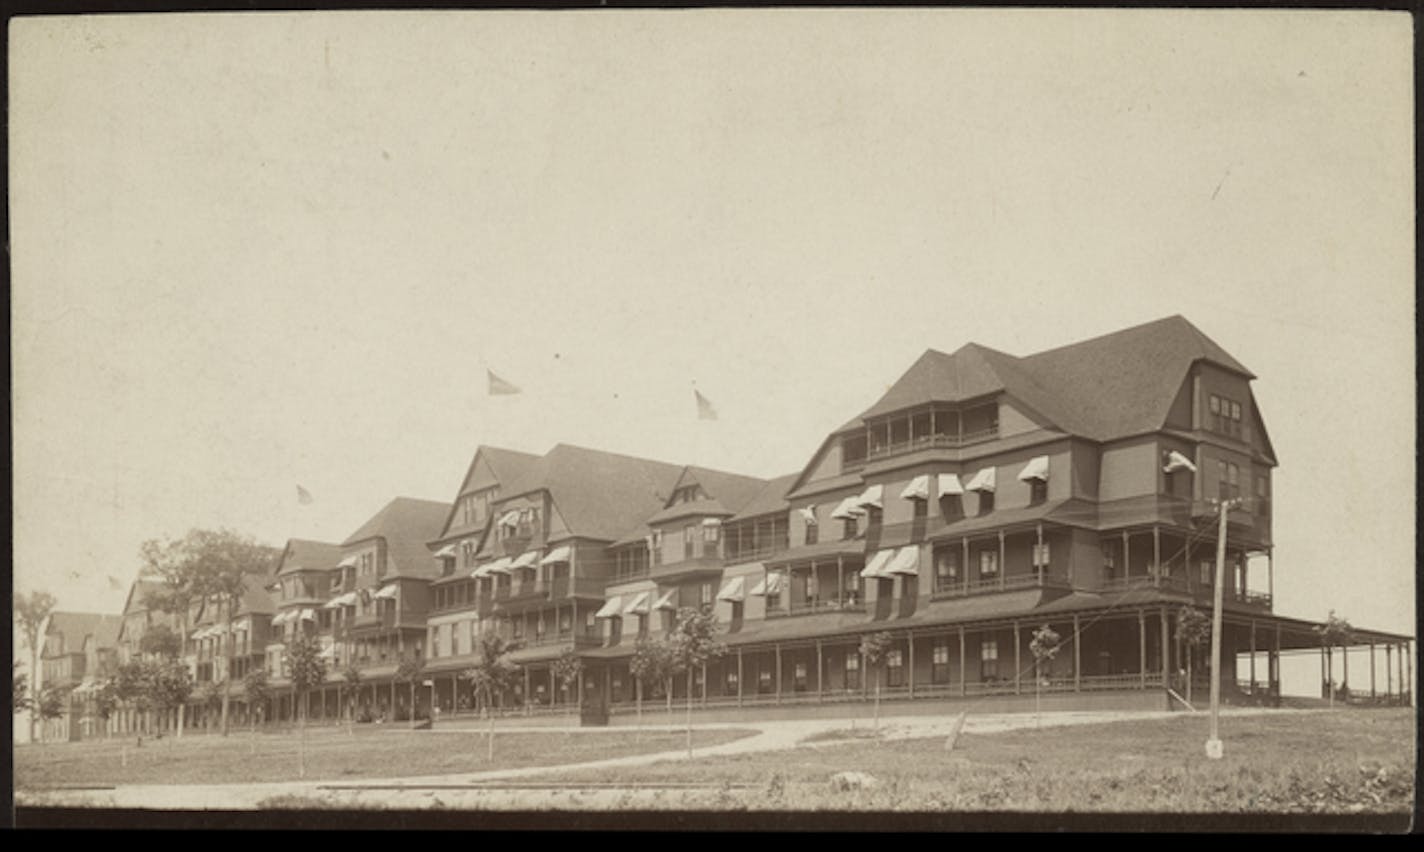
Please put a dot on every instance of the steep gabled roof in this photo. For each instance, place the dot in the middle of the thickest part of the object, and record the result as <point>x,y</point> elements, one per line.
<point>74,627</point>
<point>732,490</point>
<point>406,524</point>
<point>771,497</point>
<point>137,600</point>
<point>305,555</point>
<point>505,465</point>
<point>599,495</point>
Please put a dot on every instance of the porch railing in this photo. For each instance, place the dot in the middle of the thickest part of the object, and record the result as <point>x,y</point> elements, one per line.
<point>813,607</point>
<point>988,585</point>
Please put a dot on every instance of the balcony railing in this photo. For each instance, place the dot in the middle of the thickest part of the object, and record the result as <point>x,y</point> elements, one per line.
<point>813,607</point>
<point>989,585</point>
<point>761,551</point>
<point>930,442</point>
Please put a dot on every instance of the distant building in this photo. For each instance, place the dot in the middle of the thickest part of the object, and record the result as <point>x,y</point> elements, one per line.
<point>80,649</point>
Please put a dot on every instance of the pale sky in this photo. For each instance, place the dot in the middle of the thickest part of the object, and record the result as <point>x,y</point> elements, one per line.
<point>254,251</point>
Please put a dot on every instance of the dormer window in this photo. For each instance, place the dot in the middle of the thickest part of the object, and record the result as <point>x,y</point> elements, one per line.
<point>1226,415</point>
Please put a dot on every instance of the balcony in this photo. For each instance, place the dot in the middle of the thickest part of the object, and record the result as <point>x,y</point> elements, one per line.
<point>817,607</point>
<point>929,442</point>
<point>1181,586</point>
<point>687,569</point>
<point>760,551</point>
<point>990,585</point>
<point>575,640</point>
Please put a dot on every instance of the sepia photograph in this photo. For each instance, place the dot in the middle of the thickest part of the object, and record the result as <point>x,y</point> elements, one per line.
<point>714,419</point>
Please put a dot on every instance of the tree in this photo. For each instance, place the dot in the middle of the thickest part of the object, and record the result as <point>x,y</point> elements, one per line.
<point>169,684</point>
<point>106,701</point>
<point>409,671</point>
<point>651,665</point>
<point>1335,631</point>
<point>351,678</point>
<point>307,670</point>
<point>568,668</point>
<point>694,644</point>
<point>20,689</point>
<point>1045,645</point>
<point>1193,630</point>
<point>31,611</point>
<point>53,701</point>
<point>257,692</point>
<point>211,696</point>
<point>491,675</point>
<point>131,687</point>
<point>162,641</point>
<point>203,566</point>
<point>874,648</point>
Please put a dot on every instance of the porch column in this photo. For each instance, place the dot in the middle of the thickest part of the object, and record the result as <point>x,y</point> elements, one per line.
<point>820,674</point>
<point>608,682</point>
<point>1157,554</point>
<point>704,684</point>
<point>840,580</point>
<point>1389,671</point>
<point>1409,669</point>
<point>1142,646</point>
<point>910,641</point>
<point>1039,568</point>
<point>1345,671</point>
<point>776,649</point>
<point>455,692</point>
<point>1018,657</point>
<point>1372,671</point>
<point>1077,657</point>
<point>965,541</point>
<point>1253,656</point>
<point>526,690</point>
<point>1271,574</point>
<point>1276,675</point>
<point>1324,684</point>
<point>1126,562</point>
<point>739,677</point>
<point>963,684</point>
<point>1166,666</point>
<point>578,699</point>
<point>393,698</point>
<point>553,695</point>
<point>1003,565</point>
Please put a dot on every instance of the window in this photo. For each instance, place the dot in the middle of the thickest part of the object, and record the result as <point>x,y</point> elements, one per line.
<point>852,670</point>
<point>1208,572</point>
<point>1214,404</point>
<point>710,532</point>
<point>732,682</point>
<point>1262,486</point>
<point>851,529</point>
<point>988,563</point>
<point>1041,555</point>
<point>989,659</point>
<point>939,662</point>
<point>764,680</point>
<point>689,535</point>
<point>705,597</point>
<point>1228,485</point>
<point>922,509</point>
<point>1037,491</point>
<point>1226,415</point>
<point>946,567</point>
<point>895,667</point>
<point>812,533</point>
<point>798,676</point>
<point>566,621</point>
<point>853,450</point>
<point>773,600</point>
<point>986,502</point>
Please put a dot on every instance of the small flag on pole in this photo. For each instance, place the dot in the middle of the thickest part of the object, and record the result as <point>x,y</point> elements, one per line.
<point>705,411</point>
<point>498,386</point>
<point>303,496</point>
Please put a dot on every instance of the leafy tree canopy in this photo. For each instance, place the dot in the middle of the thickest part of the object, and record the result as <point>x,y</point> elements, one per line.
<point>161,640</point>
<point>874,646</point>
<point>1193,626</point>
<point>1046,643</point>
<point>305,663</point>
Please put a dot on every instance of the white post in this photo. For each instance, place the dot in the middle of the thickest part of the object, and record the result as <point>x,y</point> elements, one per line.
<point>1213,742</point>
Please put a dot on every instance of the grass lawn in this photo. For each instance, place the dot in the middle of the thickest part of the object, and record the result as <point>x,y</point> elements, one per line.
<point>331,754</point>
<point>1359,761</point>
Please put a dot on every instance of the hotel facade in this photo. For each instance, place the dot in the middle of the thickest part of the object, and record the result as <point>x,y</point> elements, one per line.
<point>982,497</point>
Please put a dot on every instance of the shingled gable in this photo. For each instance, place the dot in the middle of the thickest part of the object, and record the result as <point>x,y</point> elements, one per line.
<point>305,555</point>
<point>71,628</point>
<point>504,467</point>
<point>405,524</point>
<point>599,495</point>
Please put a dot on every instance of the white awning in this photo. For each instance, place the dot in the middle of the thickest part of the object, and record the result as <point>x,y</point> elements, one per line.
<point>876,566</point>
<point>809,515</point>
<point>848,509</point>
<point>711,522</point>
<point>638,605</point>
<point>871,497</point>
<point>446,552</point>
<point>327,653</point>
<point>386,593</point>
<point>667,601</point>
<point>348,562</point>
<point>1176,461</point>
<point>982,481</point>
<point>1037,468</point>
<point>906,561</point>
<point>558,554</point>
<point>611,609</point>
<point>283,617</point>
<point>918,489</point>
<point>510,518</point>
<point>308,615</point>
<point>499,566</point>
<point>949,485</point>
<point>348,599</point>
<point>527,559</point>
<point>775,583</point>
<point>732,590</point>
<point>334,603</point>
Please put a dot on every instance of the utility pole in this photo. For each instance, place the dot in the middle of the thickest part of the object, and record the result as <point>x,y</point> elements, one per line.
<point>1213,742</point>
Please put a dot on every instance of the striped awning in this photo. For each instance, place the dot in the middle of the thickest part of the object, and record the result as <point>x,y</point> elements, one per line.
<point>308,615</point>
<point>847,509</point>
<point>558,554</point>
<point>611,609</point>
<point>446,552</point>
<point>527,559</point>
<point>711,522</point>
<point>667,601</point>
<point>284,616</point>
<point>733,590</point>
<point>808,514</point>
<point>1037,468</point>
<point>499,566</point>
<point>905,561</point>
<point>510,518</point>
<point>878,562</point>
<point>918,489</point>
<point>638,605</point>
<point>871,497</point>
<point>348,562</point>
<point>949,485</point>
<point>386,593</point>
<point>772,584</point>
<point>982,481</point>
